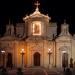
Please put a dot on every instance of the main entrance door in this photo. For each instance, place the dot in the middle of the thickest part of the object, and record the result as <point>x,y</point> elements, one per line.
<point>36,59</point>
<point>9,60</point>
<point>65,60</point>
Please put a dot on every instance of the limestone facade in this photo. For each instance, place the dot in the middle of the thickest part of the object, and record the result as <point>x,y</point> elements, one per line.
<point>36,36</point>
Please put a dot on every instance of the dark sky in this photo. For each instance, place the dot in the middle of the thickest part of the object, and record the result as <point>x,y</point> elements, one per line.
<point>15,10</point>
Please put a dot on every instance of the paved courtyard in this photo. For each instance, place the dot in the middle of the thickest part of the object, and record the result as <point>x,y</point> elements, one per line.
<point>39,71</point>
<point>35,71</point>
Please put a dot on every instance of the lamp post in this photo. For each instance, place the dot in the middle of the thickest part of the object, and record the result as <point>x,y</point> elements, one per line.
<point>3,57</point>
<point>49,52</point>
<point>22,53</point>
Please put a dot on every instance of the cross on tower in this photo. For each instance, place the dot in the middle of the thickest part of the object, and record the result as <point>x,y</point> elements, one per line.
<point>65,21</point>
<point>37,4</point>
<point>9,21</point>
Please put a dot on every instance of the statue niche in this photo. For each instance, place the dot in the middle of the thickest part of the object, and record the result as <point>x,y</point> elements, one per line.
<point>36,28</point>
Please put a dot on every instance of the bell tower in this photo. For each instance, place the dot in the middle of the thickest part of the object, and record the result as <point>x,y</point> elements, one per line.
<point>64,29</point>
<point>37,22</point>
<point>9,29</point>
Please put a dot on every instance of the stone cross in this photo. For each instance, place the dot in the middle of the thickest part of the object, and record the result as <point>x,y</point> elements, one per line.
<point>37,4</point>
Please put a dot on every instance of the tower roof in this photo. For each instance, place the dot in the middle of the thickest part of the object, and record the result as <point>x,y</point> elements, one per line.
<point>36,13</point>
<point>65,29</point>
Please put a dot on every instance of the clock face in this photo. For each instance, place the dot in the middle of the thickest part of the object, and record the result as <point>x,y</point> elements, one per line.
<point>36,28</point>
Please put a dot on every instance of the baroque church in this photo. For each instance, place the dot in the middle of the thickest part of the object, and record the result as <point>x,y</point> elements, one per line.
<point>36,43</point>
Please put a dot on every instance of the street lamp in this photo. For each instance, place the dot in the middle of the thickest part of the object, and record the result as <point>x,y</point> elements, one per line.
<point>49,52</point>
<point>3,57</point>
<point>22,53</point>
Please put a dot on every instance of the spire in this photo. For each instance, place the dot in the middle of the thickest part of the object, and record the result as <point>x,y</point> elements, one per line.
<point>64,21</point>
<point>37,5</point>
<point>9,30</point>
<point>65,29</point>
<point>9,21</point>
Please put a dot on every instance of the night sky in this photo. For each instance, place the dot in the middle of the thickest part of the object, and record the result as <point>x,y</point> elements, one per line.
<point>15,10</point>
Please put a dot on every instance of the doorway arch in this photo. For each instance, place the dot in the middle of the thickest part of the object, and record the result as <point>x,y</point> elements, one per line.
<point>65,60</point>
<point>64,56</point>
<point>9,60</point>
<point>36,59</point>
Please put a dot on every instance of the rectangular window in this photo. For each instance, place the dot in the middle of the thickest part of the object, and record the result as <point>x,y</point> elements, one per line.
<point>36,28</point>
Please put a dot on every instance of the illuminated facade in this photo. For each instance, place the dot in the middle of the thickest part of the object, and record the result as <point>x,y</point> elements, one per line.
<point>36,37</point>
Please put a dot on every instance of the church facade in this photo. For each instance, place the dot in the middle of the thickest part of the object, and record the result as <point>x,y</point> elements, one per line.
<point>35,43</point>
